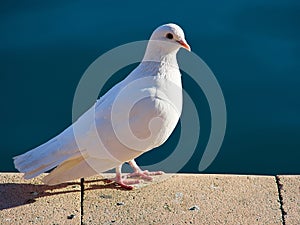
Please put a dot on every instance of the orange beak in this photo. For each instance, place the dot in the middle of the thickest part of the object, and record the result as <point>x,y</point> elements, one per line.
<point>184,44</point>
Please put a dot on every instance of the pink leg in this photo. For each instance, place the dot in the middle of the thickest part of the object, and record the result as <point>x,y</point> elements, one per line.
<point>144,174</point>
<point>122,181</point>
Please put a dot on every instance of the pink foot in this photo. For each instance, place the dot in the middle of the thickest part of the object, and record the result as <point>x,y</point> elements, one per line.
<point>124,183</point>
<point>127,183</point>
<point>144,174</point>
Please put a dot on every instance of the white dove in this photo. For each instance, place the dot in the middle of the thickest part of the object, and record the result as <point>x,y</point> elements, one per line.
<point>135,116</point>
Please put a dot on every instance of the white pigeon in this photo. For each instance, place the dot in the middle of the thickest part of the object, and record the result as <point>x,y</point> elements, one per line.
<point>135,116</point>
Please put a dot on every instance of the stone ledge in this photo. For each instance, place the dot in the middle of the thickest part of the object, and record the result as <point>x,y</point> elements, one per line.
<point>170,199</point>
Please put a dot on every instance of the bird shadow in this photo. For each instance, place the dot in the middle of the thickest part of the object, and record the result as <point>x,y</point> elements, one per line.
<point>17,194</point>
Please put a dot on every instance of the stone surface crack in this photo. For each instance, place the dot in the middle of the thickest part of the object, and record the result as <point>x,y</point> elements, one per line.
<point>279,187</point>
<point>81,199</point>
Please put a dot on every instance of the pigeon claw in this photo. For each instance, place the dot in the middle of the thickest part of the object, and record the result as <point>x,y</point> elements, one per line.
<point>125,186</point>
<point>123,183</point>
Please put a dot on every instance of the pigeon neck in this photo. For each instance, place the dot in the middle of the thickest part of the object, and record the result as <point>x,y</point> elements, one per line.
<point>157,54</point>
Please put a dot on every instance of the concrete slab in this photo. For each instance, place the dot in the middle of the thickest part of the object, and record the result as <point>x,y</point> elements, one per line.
<point>185,199</point>
<point>290,193</point>
<point>30,202</point>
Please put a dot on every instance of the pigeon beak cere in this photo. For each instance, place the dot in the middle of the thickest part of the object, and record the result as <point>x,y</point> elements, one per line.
<point>184,45</point>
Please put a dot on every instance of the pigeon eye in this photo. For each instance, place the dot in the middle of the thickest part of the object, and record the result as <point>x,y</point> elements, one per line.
<point>169,36</point>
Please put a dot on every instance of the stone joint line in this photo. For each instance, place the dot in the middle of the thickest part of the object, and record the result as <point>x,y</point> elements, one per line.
<point>279,187</point>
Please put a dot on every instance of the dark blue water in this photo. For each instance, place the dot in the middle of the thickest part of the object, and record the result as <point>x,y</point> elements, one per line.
<point>253,48</point>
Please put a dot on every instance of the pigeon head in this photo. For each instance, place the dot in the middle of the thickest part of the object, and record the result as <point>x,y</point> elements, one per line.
<point>165,40</point>
<point>170,33</point>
